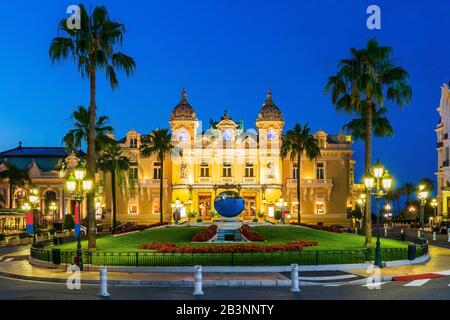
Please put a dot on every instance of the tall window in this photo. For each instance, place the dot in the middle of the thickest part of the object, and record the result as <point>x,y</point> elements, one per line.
<point>320,171</point>
<point>133,173</point>
<point>294,171</point>
<point>249,172</point>
<point>133,143</point>
<point>156,170</point>
<point>204,170</point>
<point>226,172</point>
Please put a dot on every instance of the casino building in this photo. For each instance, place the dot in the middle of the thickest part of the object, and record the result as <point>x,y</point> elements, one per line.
<point>227,156</point>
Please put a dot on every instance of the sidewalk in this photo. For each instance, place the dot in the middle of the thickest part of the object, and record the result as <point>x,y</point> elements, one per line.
<point>438,263</point>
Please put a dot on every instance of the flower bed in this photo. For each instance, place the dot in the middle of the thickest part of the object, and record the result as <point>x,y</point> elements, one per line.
<point>321,228</point>
<point>296,245</point>
<point>137,227</point>
<point>252,235</point>
<point>204,236</point>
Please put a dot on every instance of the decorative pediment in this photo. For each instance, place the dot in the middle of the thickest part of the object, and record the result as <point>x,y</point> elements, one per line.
<point>33,169</point>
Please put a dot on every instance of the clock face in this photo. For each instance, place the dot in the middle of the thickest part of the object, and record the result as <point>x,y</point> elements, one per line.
<point>182,136</point>
<point>271,135</point>
<point>227,135</point>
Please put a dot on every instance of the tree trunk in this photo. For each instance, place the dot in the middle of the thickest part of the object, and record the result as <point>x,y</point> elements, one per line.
<point>91,156</point>
<point>298,185</point>
<point>161,178</point>
<point>113,195</point>
<point>368,165</point>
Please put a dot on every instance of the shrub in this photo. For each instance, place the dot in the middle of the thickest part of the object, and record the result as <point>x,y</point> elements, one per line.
<point>130,227</point>
<point>68,223</point>
<point>320,227</point>
<point>277,215</point>
<point>204,236</point>
<point>255,219</point>
<point>168,247</point>
<point>199,220</point>
<point>250,234</point>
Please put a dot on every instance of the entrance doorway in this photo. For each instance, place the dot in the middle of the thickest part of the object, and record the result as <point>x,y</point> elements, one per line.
<point>204,206</point>
<point>250,208</point>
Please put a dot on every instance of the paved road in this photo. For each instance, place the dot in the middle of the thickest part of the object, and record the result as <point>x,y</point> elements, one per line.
<point>441,239</point>
<point>425,289</point>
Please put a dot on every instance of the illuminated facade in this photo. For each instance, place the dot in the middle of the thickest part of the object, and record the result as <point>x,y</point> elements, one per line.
<point>443,147</point>
<point>227,156</point>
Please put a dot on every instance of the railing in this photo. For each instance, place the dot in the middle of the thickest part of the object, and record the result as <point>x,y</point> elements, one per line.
<point>144,259</point>
<point>311,182</point>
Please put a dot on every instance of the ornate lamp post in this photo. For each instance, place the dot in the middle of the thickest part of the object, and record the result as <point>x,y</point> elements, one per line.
<point>52,207</point>
<point>422,194</point>
<point>378,182</point>
<point>78,188</point>
<point>362,205</point>
<point>434,205</point>
<point>34,201</point>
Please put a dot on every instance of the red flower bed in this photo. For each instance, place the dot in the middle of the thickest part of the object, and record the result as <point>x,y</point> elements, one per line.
<point>252,235</point>
<point>296,245</point>
<point>137,227</point>
<point>204,236</point>
<point>322,228</point>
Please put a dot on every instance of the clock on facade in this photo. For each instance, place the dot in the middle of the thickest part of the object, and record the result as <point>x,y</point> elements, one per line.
<point>271,135</point>
<point>227,135</point>
<point>182,136</point>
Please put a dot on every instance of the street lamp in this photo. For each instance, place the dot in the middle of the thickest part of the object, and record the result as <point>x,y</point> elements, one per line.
<point>78,188</point>
<point>422,194</point>
<point>378,182</point>
<point>434,205</point>
<point>52,207</point>
<point>34,201</point>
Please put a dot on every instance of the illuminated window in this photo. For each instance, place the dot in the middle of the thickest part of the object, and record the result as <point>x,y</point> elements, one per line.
<point>249,173</point>
<point>320,171</point>
<point>156,170</point>
<point>226,170</point>
<point>204,170</point>
<point>133,209</point>
<point>294,171</point>
<point>133,143</point>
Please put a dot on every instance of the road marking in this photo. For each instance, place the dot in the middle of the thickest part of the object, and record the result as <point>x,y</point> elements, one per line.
<point>374,284</point>
<point>444,273</point>
<point>336,285</point>
<point>8,260</point>
<point>417,283</point>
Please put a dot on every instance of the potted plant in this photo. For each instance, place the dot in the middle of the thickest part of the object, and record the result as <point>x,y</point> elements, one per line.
<point>192,215</point>
<point>213,214</point>
<point>261,215</point>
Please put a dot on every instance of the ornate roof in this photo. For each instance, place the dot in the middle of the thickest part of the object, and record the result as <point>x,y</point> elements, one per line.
<point>269,110</point>
<point>183,110</point>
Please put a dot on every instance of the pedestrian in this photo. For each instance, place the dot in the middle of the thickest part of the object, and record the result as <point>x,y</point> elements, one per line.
<point>176,216</point>
<point>283,216</point>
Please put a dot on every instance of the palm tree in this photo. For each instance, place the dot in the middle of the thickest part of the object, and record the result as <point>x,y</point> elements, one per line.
<point>113,161</point>
<point>74,139</point>
<point>381,125</point>
<point>408,189</point>
<point>365,80</point>
<point>92,48</point>
<point>295,143</point>
<point>15,176</point>
<point>159,145</point>
<point>429,184</point>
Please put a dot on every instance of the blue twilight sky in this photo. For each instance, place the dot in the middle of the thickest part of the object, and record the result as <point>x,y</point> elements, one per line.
<point>227,53</point>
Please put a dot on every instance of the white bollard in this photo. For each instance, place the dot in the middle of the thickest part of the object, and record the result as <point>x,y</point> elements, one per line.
<point>401,231</point>
<point>418,233</point>
<point>198,281</point>
<point>385,232</point>
<point>434,235</point>
<point>448,233</point>
<point>103,282</point>
<point>356,231</point>
<point>294,278</point>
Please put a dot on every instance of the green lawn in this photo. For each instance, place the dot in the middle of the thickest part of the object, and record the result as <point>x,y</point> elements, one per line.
<point>183,235</point>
